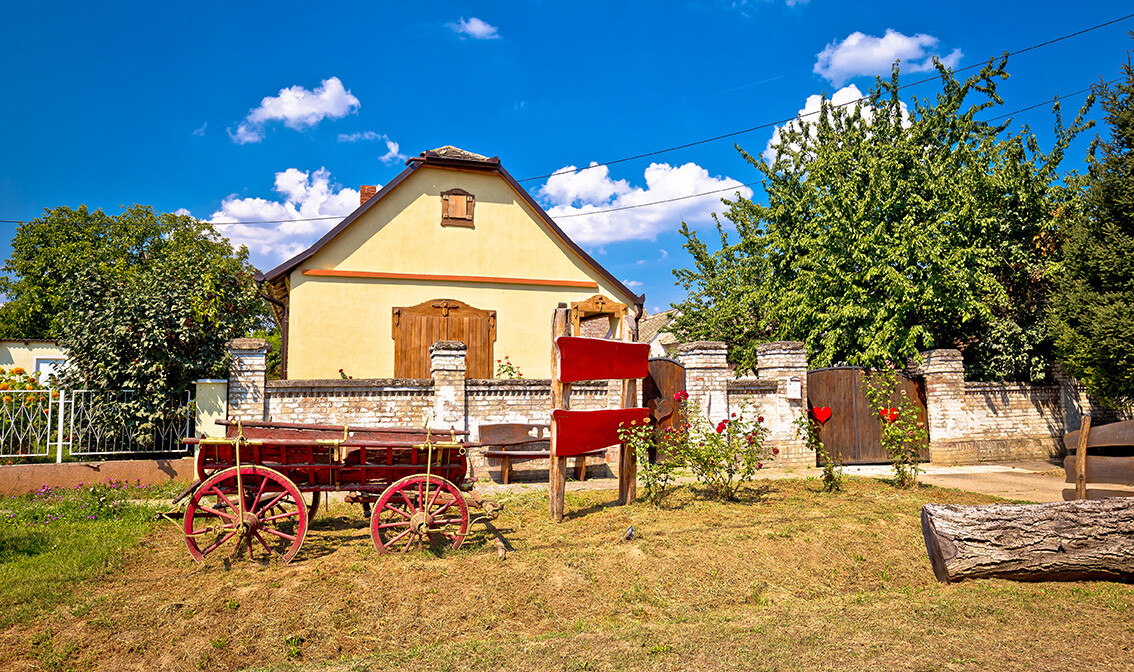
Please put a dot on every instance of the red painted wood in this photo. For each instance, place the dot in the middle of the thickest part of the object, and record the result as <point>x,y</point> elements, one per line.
<point>600,359</point>
<point>577,432</point>
<point>822,414</point>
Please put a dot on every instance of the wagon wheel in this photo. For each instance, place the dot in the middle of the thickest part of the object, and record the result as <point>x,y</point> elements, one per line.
<point>418,508</point>
<point>274,520</point>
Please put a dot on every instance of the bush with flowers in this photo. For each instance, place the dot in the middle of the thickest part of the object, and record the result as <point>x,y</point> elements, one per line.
<point>506,370</point>
<point>24,402</point>
<point>722,457</point>
<point>656,475</point>
<point>903,436</point>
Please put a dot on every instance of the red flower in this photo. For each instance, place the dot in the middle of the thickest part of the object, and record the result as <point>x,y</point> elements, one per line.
<point>760,419</point>
<point>721,427</point>
<point>759,465</point>
<point>775,451</point>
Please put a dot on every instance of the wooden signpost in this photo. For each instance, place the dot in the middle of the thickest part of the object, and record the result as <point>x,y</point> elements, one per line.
<point>573,432</point>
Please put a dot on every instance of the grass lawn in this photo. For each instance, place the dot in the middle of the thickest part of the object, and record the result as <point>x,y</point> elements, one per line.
<point>790,578</point>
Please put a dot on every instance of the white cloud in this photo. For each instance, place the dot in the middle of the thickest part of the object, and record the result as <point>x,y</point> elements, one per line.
<point>392,154</point>
<point>356,137</point>
<point>201,131</point>
<point>576,192</point>
<point>810,115</point>
<point>632,283</point>
<point>304,196</point>
<point>182,211</point>
<point>861,54</point>
<point>474,28</point>
<point>297,108</point>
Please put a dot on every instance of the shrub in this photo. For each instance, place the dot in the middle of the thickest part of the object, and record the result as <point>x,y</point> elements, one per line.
<point>902,436</point>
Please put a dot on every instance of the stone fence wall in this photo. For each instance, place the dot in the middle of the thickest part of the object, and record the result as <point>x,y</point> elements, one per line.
<point>968,422</point>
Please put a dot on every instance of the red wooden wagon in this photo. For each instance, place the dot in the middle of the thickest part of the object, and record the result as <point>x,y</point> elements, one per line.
<point>251,483</point>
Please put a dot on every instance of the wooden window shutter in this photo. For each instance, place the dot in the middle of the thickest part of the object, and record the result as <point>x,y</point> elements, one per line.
<point>457,208</point>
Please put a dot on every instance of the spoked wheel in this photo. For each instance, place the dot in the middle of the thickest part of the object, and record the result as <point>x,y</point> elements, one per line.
<point>274,520</point>
<point>417,510</point>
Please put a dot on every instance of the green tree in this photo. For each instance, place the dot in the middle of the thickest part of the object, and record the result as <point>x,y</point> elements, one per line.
<point>1092,317</point>
<point>142,301</point>
<point>888,231</point>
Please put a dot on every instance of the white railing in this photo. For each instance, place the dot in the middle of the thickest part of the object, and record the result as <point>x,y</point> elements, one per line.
<point>100,423</point>
<point>29,423</point>
<point>82,423</point>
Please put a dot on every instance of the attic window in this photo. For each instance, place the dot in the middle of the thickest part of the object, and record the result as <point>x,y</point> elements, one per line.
<point>457,208</point>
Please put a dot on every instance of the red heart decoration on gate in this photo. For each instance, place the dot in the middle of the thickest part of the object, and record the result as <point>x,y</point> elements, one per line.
<point>821,414</point>
<point>888,414</point>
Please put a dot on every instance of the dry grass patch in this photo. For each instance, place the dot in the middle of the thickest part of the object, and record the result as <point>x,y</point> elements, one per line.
<point>788,578</point>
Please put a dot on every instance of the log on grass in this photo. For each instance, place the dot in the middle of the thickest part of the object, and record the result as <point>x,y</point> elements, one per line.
<point>1060,541</point>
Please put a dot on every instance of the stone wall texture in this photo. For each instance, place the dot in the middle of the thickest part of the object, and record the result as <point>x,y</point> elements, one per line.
<point>968,422</point>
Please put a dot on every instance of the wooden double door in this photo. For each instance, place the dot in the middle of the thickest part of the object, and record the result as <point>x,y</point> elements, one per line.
<point>852,433</point>
<point>415,328</point>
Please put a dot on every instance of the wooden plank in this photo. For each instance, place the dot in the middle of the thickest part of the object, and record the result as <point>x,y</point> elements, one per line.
<point>513,434</point>
<point>627,459</point>
<point>1081,466</point>
<point>580,431</point>
<point>1103,436</point>
<point>601,359</point>
<point>560,400</point>
<point>1101,469</point>
<point>1095,494</point>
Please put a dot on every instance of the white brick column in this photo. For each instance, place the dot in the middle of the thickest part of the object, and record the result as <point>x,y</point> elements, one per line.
<point>785,363</point>
<point>944,372</point>
<point>248,379</point>
<point>706,377</point>
<point>447,368</point>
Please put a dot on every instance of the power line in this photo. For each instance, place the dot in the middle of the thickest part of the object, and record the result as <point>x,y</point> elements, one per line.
<point>772,124</point>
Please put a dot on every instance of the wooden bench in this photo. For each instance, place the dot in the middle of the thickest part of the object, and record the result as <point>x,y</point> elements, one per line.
<point>1109,453</point>
<point>521,441</point>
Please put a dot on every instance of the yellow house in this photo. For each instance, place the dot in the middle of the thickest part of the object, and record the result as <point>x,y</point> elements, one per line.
<point>452,248</point>
<point>33,355</point>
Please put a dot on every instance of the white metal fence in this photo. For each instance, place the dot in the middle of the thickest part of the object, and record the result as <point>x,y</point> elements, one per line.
<point>83,423</point>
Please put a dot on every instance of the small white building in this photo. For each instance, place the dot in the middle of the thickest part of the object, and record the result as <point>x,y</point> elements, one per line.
<point>34,355</point>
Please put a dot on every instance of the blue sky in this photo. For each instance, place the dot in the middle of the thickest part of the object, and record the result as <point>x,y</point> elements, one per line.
<point>241,112</point>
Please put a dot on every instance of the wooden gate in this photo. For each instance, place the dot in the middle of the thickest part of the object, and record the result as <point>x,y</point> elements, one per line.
<point>418,327</point>
<point>852,433</point>
<point>665,379</point>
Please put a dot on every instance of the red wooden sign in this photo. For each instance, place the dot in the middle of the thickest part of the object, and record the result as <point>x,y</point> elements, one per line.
<point>577,432</point>
<point>600,359</point>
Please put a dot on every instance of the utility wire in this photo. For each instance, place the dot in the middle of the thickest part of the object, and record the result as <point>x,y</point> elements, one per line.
<point>771,124</point>
<point>765,125</point>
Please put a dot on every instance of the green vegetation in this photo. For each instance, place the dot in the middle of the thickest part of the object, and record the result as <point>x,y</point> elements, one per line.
<point>787,577</point>
<point>1093,309</point>
<point>54,538</point>
<point>889,229</point>
<point>142,301</point>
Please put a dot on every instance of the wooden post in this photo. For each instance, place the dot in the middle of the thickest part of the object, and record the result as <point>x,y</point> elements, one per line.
<point>627,460</point>
<point>560,398</point>
<point>1081,458</point>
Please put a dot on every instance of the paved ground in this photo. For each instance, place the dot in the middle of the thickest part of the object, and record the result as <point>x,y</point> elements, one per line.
<point>1031,480</point>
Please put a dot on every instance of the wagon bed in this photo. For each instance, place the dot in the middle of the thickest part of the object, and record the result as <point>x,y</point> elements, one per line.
<point>416,478</point>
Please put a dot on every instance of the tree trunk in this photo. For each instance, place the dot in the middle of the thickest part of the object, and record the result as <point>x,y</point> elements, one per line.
<point>1061,541</point>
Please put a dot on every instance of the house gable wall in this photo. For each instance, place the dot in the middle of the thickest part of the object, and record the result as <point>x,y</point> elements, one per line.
<point>346,322</point>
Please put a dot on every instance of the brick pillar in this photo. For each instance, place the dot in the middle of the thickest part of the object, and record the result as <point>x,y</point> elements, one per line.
<point>447,368</point>
<point>248,379</point>
<point>706,377</point>
<point>785,363</point>
<point>944,373</point>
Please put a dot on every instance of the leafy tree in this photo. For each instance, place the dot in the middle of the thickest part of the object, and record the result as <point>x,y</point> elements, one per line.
<point>142,301</point>
<point>889,231</point>
<point>1093,309</point>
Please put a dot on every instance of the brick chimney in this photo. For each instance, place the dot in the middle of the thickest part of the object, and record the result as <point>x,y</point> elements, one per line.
<point>366,193</point>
